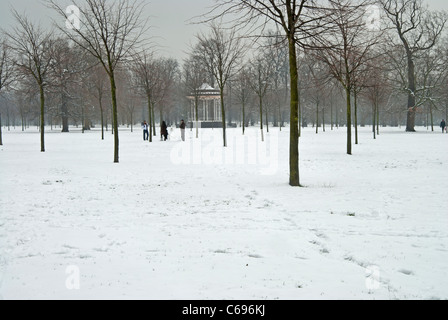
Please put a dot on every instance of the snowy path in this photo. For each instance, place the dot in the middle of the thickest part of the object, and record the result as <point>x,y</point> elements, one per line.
<point>150,229</point>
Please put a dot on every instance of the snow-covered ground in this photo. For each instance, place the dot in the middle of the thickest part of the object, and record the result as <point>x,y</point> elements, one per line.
<point>188,220</point>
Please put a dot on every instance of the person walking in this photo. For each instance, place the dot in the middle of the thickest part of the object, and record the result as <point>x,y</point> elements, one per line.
<point>182,130</point>
<point>443,125</point>
<point>164,131</point>
<point>145,128</point>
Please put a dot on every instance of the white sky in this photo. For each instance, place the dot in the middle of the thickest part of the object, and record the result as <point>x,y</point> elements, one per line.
<point>171,30</point>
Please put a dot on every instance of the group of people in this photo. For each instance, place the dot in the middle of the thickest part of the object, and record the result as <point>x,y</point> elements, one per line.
<point>443,125</point>
<point>163,130</point>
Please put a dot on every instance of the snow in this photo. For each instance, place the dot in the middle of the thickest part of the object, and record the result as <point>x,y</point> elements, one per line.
<point>191,220</point>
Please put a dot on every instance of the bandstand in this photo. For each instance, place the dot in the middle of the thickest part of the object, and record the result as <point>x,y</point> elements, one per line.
<point>209,107</point>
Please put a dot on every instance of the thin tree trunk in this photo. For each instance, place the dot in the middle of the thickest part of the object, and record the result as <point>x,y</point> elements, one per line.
<point>153,117</point>
<point>261,116</point>
<point>294,176</point>
<point>102,119</point>
<point>244,118</point>
<point>150,118</point>
<point>42,119</point>
<point>1,139</point>
<point>223,113</point>
<point>323,119</point>
<point>374,119</point>
<point>356,117</point>
<point>196,108</point>
<point>446,113</point>
<point>115,116</point>
<point>410,127</point>
<point>432,118</point>
<point>317,119</point>
<point>64,112</point>
<point>377,119</point>
<point>349,121</point>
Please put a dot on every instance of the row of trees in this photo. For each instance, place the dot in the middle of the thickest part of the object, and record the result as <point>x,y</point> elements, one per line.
<point>373,60</point>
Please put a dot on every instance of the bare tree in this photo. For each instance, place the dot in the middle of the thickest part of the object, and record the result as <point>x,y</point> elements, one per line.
<point>377,89</point>
<point>260,73</point>
<point>168,70</point>
<point>6,72</point>
<point>299,21</point>
<point>431,73</point>
<point>33,47</point>
<point>418,30</point>
<point>147,77</point>
<point>346,49</point>
<point>243,94</point>
<point>97,86</point>
<point>108,30</point>
<point>194,77</point>
<point>221,53</point>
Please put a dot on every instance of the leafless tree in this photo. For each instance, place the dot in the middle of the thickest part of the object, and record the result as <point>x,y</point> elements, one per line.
<point>147,78</point>
<point>299,21</point>
<point>260,73</point>
<point>418,30</point>
<point>377,89</point>
<point>168,69</point>
<point>347,48</point>
<point>221,53</point>
<point>108,30</point>
<point>97,85</point>
<point>243,94</point>
<point>194,77</point>
<point>6,72</point>
<point>33,47</point>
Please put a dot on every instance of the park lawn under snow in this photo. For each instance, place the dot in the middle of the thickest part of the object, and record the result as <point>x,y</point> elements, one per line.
<point>193,221</point>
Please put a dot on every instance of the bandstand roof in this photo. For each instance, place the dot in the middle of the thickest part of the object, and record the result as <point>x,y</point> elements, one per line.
<point>206,91</point>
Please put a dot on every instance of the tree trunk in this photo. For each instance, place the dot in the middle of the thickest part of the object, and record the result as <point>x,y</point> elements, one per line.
<point>410,127</point>
<point>349,121</point>
<point>1,139</point>
<point>300,119</point>
<point>42,119</point>
<point>317,119</point>
<point>446,113</point>
<point>294,176</point>
<point>115,116</point>
<point>102,117</point>
<point>196,108</point>
<point>432,118</point>
<point>150,118</point>
<point>223,113</point>
<point>356,118</point>
<point>261,116</point>
<point>153,117</point>
<point>374,120</point>
<point>244,118</point>
<point>377,120</point>
<point>64,115</point>
<point>323,119</point>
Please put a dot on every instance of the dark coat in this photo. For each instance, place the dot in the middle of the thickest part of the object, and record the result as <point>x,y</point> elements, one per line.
<point>164,129</point>
<point>182,125</point>
<point>443,124</point>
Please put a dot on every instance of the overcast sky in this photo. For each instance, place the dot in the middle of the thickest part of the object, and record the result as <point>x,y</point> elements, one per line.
<point>171,30</point>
